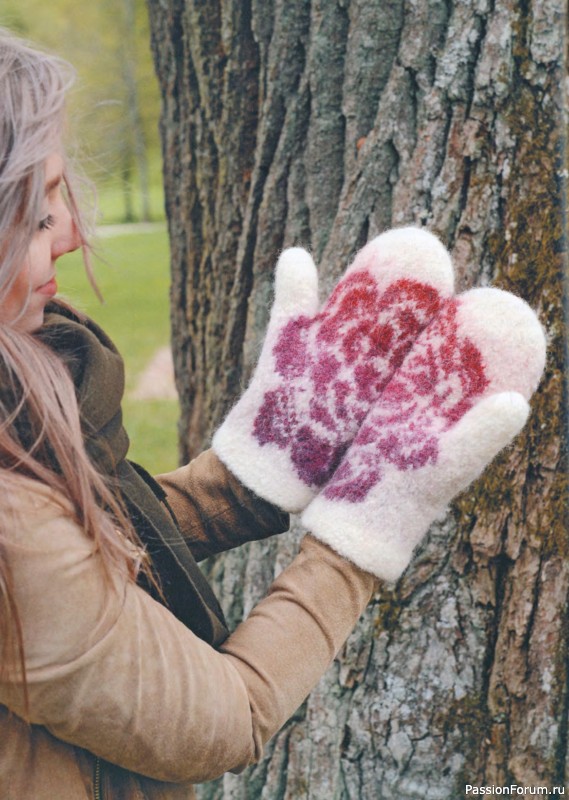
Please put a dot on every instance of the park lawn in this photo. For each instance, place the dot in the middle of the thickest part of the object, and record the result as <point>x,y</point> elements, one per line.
<point>132,272</point>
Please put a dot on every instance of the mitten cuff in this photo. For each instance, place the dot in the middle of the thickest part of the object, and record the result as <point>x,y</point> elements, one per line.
<point>383,545</point>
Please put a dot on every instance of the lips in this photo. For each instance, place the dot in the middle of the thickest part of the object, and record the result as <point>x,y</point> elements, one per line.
<point>49,288</point>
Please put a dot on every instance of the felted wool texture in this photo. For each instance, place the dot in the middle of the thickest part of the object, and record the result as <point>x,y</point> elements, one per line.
<point>459,397</point>
<point>320,371</point>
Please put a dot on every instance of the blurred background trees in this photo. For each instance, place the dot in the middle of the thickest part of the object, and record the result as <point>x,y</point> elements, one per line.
<point>115,104</point>
<point>113,134</point>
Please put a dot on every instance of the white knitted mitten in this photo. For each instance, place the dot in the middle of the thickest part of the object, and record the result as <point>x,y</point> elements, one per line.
<point>459,397</point>
<point>320,371</point>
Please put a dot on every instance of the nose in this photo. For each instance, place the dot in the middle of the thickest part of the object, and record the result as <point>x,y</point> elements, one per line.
<point>66,237</point>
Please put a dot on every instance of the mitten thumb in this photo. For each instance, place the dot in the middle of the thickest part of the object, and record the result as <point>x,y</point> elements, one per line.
<point>296,286</point>
<point>474,441</point>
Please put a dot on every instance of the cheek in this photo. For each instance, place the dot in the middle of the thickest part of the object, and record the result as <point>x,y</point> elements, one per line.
<point>39,259</point>
<point>21,297</point>
<point>12,303</point>
<point>31,274</point>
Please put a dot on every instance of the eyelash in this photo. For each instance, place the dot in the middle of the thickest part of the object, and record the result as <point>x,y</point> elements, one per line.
<point>47,223</point>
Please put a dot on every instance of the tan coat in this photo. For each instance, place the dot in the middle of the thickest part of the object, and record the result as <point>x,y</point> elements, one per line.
<point>113,673</point>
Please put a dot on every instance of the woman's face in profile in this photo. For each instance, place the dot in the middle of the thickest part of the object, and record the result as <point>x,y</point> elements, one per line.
<point>55,235</point>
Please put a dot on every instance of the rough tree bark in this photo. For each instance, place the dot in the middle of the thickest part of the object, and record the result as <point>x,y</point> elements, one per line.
<point>322,123</point>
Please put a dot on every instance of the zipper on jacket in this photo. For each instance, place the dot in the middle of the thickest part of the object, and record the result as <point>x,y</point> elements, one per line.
<point>97,780</point>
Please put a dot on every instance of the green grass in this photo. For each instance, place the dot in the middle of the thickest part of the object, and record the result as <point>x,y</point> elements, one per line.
<point>132,272</point>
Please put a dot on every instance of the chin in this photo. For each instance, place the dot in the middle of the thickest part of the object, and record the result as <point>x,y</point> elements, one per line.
<point>30,322</point>
<point>37,323</point>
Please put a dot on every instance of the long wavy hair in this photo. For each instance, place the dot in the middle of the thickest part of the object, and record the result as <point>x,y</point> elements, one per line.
<point>40,431</point>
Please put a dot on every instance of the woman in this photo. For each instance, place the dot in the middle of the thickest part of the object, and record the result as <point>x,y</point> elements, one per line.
<point>118,676</point>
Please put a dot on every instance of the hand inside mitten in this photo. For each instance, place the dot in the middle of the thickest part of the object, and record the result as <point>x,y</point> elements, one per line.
<point>320,371</point>
<point>458,398</point>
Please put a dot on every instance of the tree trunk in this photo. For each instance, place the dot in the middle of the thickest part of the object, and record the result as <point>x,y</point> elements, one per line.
<point>322,123</point>
<point>126,181</point>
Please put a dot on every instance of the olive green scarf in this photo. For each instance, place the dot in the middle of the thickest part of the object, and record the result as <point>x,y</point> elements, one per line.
<point>98,373</point>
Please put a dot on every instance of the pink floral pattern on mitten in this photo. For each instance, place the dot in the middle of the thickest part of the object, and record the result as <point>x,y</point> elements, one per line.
<point>439,381</point>
<point>333,366</point>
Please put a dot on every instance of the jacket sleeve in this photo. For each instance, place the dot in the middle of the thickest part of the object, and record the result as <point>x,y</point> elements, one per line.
<point>214,510</point>
<point>114,672</point>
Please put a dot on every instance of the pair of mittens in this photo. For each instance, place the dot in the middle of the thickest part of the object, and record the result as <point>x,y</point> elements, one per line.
<point>458,398</point>
<point>321,371</point>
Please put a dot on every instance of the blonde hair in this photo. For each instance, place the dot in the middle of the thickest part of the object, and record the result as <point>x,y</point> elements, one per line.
<point>40,432</point>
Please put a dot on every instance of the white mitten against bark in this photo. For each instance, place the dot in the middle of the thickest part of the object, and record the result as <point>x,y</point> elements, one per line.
<point>320,371</point>
<point>459,397</point>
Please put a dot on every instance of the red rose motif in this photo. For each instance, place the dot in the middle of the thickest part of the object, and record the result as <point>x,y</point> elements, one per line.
<point>436,385</point>
<point>335,365</point>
